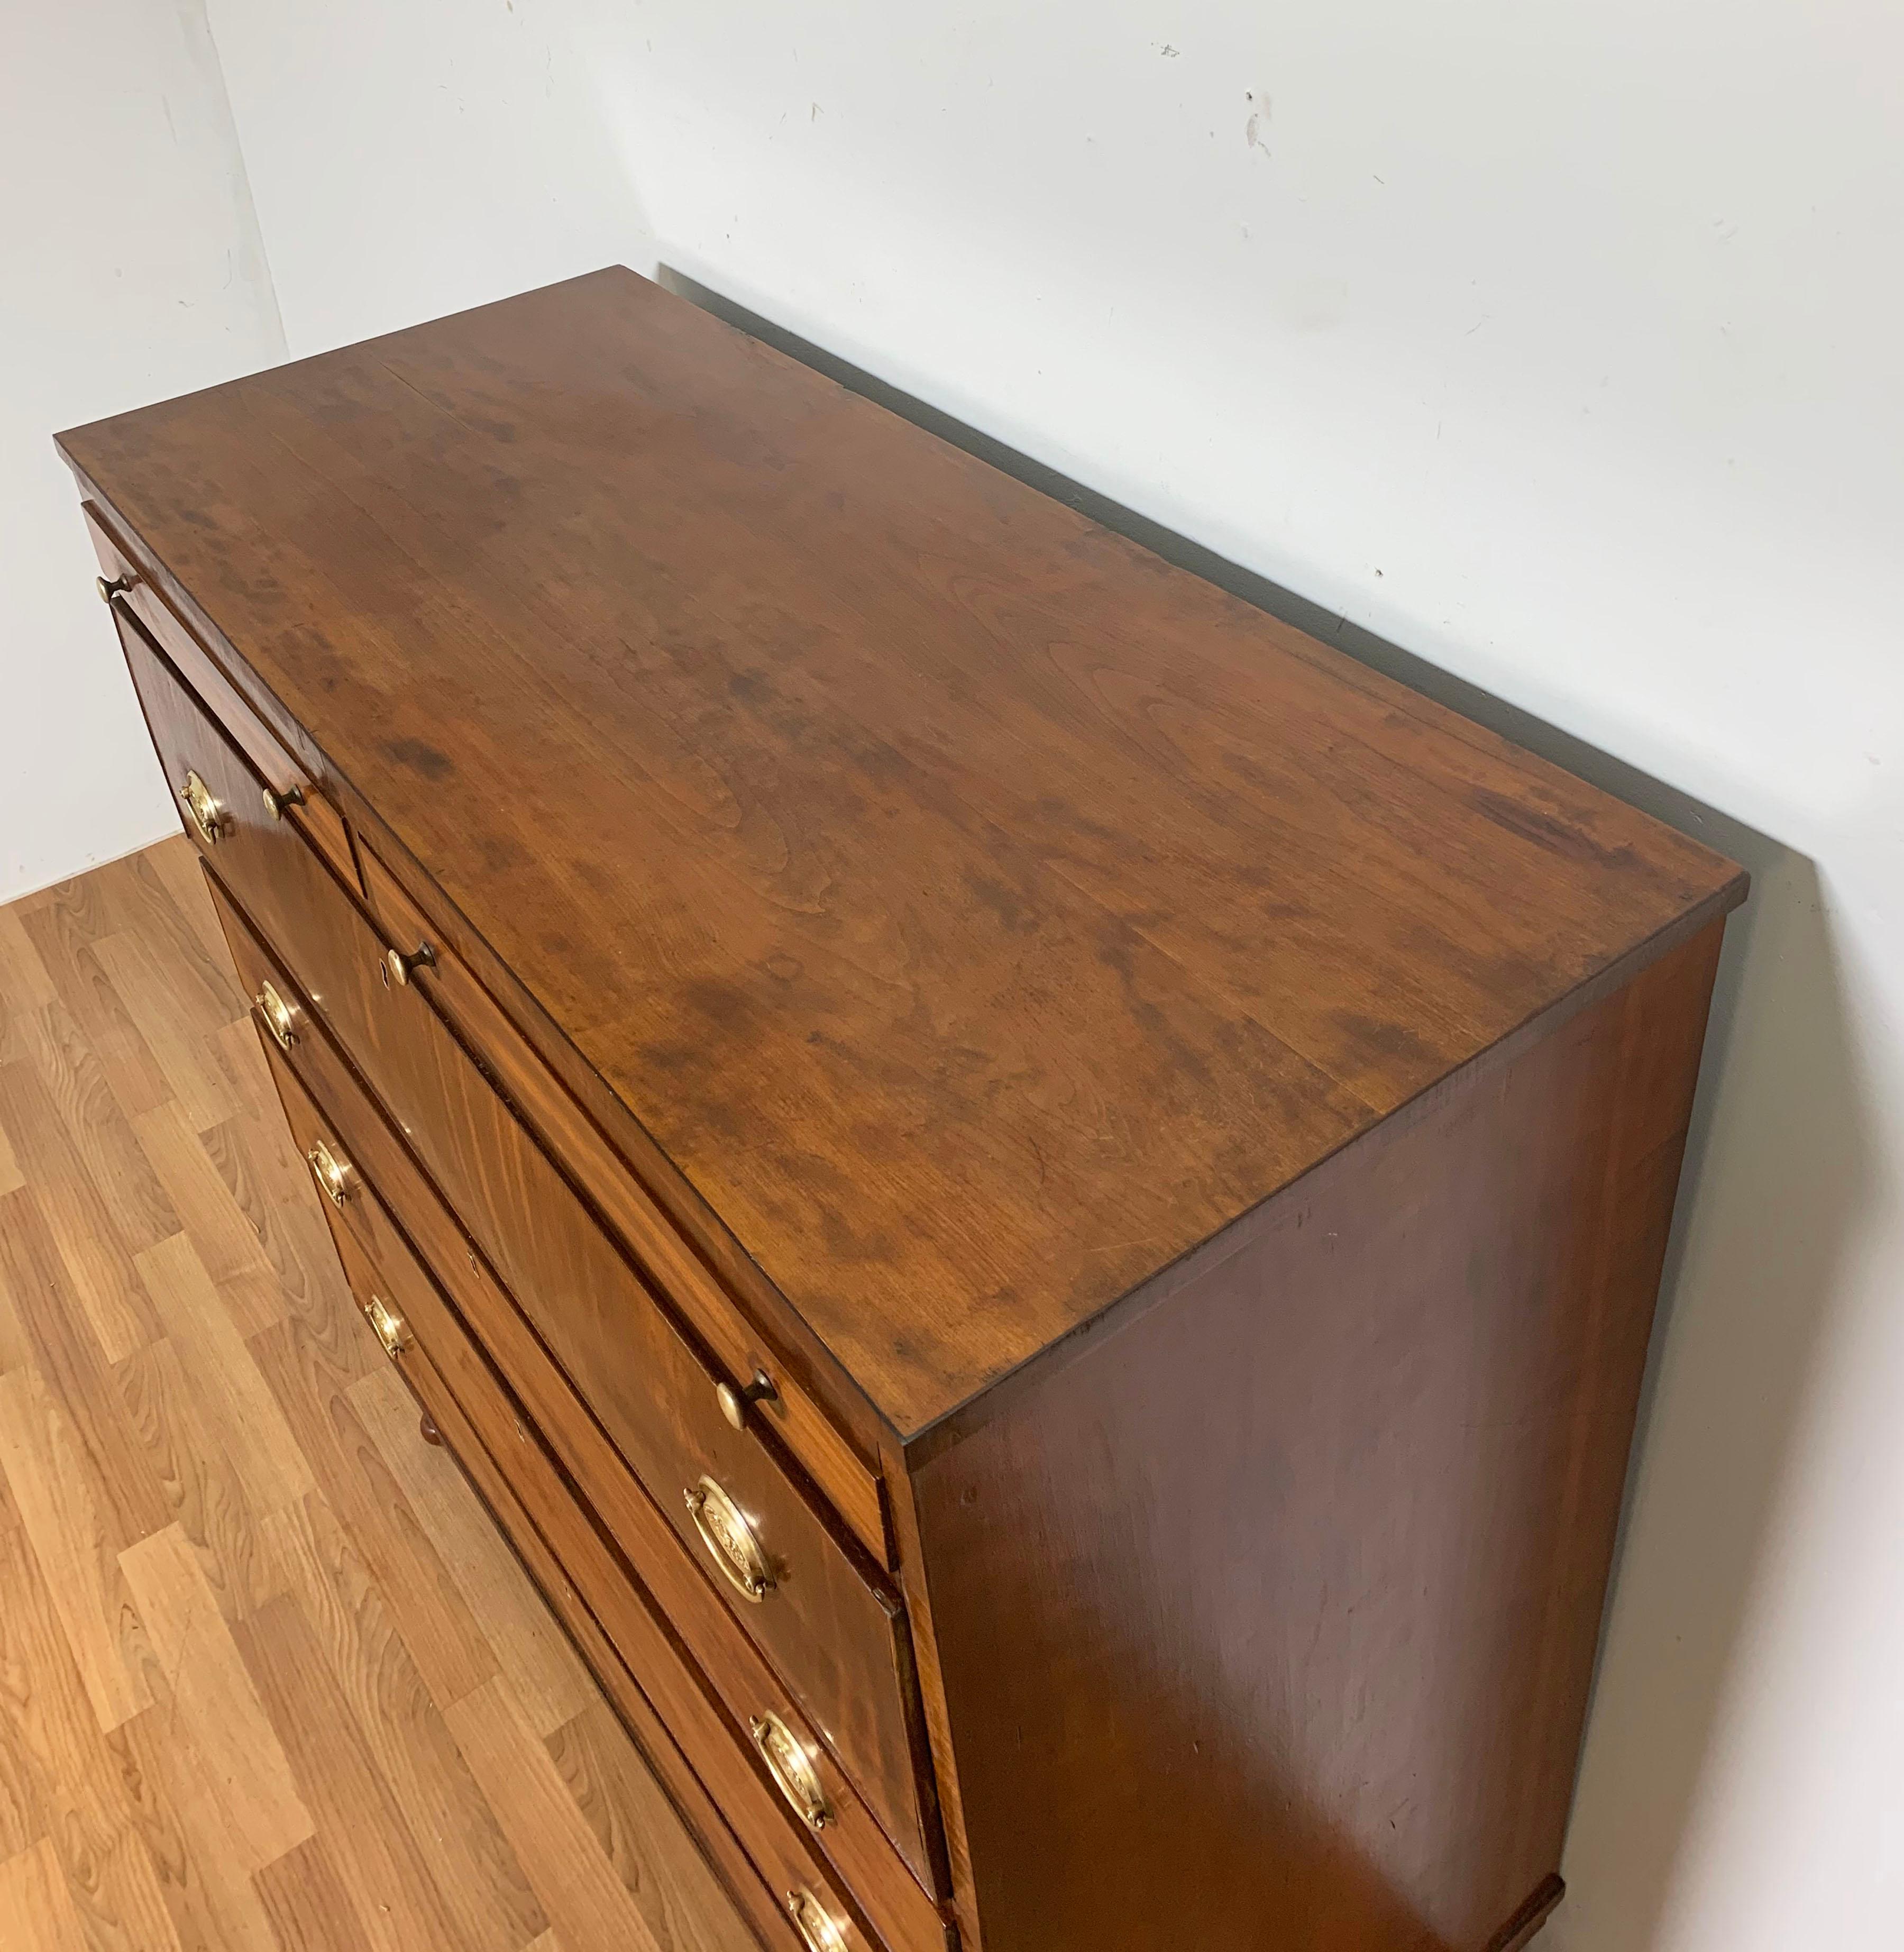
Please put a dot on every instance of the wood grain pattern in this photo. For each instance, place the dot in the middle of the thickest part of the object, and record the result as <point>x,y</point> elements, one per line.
<point>213,1901</point>
<point>92,1251</point>
<point>163,1783</point>
<point>214,1696</point>
<point>233,1399</point>
<point>376,1850</point>
<point>578,1885</point>
<point>937,782</point>
<point>482,1883</point>
<point>546,1679</point>
<point>59,1341</point>
<point>225,1239</point>
<point>36,1906</point>
<point>620,1804</point>
<point>135,1202</point>
<point>65,951</point>
<point>63,1768</point>
<point>309,1906</point>
<point>11,1177</point>
<point>47,1473</point>
<point>178,1031</point>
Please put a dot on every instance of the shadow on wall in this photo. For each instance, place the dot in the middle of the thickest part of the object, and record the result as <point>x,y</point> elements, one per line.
<point>1778,1168</point>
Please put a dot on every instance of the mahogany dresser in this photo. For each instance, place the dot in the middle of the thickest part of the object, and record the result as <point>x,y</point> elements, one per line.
<point>1036,1201</point>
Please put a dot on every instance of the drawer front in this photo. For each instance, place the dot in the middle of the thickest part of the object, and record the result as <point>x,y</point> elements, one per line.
<point>852,1871</point>
<point>138,600</point>
<point>265,856</point>
<point>669,1261</point>
<point>844,1658</point>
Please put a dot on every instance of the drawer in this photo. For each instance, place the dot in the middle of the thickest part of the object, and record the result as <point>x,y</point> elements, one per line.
<point>845,1660</point>
<point>265,856</point>
<point>267,765</point>
<point>845,1866</point>
<point>568,1132</point>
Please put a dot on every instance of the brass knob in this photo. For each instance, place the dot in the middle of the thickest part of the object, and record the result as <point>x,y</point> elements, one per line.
<point>332,1173</point>
<point>817,1927</point>
<point>206,811</point>
<point>280,1019</point>
<point>275,802</point>
<point>734,1403</point>
<point>397,966</point>
<point>730,1540</point>
<point>116,586</point>
<point>389,1326</point>
<point>790,1765</point>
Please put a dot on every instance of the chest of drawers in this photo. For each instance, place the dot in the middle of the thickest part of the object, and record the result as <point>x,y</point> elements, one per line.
<point>1035,1202</point>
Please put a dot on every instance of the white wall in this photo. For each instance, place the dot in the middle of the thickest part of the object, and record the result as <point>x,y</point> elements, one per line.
<point>130,270</point>
<point>1554,344</point>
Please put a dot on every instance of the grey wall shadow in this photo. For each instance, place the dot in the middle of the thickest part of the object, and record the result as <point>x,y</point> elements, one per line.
<point>1771,1196</point>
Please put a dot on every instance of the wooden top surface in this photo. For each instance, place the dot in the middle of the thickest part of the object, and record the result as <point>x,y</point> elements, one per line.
<point>979,911</point>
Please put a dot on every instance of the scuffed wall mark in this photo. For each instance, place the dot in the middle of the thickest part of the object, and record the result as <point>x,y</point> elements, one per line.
<point>815,116</point>
<point>1168,52</point>
<point>1256,129</point>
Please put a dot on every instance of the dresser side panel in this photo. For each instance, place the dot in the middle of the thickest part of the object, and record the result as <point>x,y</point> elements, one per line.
<point>1274,1613</point>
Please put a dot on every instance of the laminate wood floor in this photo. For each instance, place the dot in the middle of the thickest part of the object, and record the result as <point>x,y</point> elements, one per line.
<point>268,1679</point>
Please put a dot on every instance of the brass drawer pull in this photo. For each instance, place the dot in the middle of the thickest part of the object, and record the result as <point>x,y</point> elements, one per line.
<point>391,1330</point>
<point>280,1019</point>
<point>206,810</point>
<point>332,1173</point>
<point>117,586</point>
<point>791,1766</point>
<point>398,966</point>
<point>730,1539</point>
<point>275,802</point>
<point>735,1403</point>
<point>816,1924</point>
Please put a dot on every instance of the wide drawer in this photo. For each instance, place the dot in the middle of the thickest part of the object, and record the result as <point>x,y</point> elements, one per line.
<point>813,1598</point>
<point>380,1180</point>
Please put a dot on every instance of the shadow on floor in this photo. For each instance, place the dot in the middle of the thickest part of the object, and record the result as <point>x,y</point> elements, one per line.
<point>1778,1170</point>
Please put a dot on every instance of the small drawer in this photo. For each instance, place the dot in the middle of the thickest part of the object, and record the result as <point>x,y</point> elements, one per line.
<point>264,850</point>
<point>420,1331</point>
<point>276,781</point>
<point>841,1647</point>
<point>669,1260</point>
